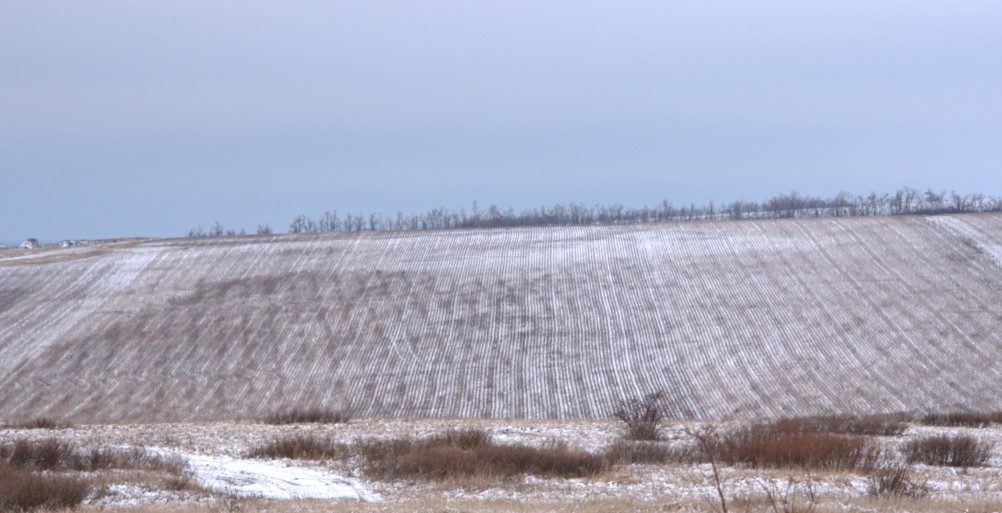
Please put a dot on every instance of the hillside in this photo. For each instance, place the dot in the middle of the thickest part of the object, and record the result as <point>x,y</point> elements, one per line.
<point>765,317</point>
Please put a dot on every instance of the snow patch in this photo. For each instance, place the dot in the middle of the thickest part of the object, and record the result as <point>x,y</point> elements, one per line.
<point>274,480</point>
<point>972,236</point>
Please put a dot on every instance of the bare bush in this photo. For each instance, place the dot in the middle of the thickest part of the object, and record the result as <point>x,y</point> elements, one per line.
<point>470,454</point>
<point>309,416</point>
<point>773,445</point>
<point>949,451</point>
<point>643,416</point>
<point>894,480</point>
<point>22,490</point>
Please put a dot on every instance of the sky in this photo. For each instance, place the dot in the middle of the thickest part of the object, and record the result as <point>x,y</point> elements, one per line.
<point>153,118</point>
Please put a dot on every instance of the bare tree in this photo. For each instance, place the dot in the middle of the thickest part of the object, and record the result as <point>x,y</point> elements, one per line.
<point>643,416</point>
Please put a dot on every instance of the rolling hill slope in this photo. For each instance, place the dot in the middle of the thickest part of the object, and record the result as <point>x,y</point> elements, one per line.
<point>764,317</point>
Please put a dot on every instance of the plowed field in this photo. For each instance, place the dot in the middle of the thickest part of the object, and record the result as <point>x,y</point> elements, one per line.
<point>765,318</point>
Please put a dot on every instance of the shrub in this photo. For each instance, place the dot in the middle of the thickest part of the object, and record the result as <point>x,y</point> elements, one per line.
<point>643,416</point>
<point>22,490</point>
<point>894,480</point>
<point>309,416</point>
<point>949,451</point>
<point>53,454</point>
<point>878,425</point>
<point>778,446</point>
<point>472,454</point>
<point>301,446</point>
<point>628,452</point>
<point>961,419</point>
<point>41,454</point>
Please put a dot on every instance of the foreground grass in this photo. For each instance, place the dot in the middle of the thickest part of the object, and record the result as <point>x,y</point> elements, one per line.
<point>53,474</point>
<point>478,465</point>
<point>443,505</point>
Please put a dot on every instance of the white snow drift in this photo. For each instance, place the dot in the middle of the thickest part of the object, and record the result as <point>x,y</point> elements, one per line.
<point>274,480</point>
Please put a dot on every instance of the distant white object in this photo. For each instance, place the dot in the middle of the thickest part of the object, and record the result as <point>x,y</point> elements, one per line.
<point>3,246</point>
<point>73,243</point>
<point>274,480</point>
<point>30,244</point>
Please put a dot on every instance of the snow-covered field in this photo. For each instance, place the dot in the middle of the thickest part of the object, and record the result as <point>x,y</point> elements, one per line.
<point>217,453</point>
<point>762,318</point>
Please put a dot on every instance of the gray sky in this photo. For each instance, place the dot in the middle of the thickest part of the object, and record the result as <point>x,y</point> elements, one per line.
<point>151,118</point>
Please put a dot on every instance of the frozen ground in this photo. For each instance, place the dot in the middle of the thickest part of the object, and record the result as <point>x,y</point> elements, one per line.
<point>218,457</point>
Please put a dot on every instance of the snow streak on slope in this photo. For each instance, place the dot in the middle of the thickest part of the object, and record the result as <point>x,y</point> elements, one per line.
<point>765,317</point>
<point>973,237</point>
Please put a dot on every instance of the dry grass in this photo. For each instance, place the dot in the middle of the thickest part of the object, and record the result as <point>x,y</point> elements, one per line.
<point>309,416</point>
<point>874,425</point>
<point>962,419</point>
<point>54,454</point>
<point>25,490</point>
<point>38,423</point>
<point>775,445</point>
<point>471,454</point>
<point>301,446</point>
<point>627,452</point>
<point>440,504</point>
<point>948,451</point>
<point>895,480</point>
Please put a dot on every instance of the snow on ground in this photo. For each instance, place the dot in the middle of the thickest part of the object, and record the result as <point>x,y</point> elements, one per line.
<point>217,455</point>
<point>273,479</point>
<point>972,236</point>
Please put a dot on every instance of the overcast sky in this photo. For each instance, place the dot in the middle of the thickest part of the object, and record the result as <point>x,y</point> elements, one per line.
<point>151,118</point>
